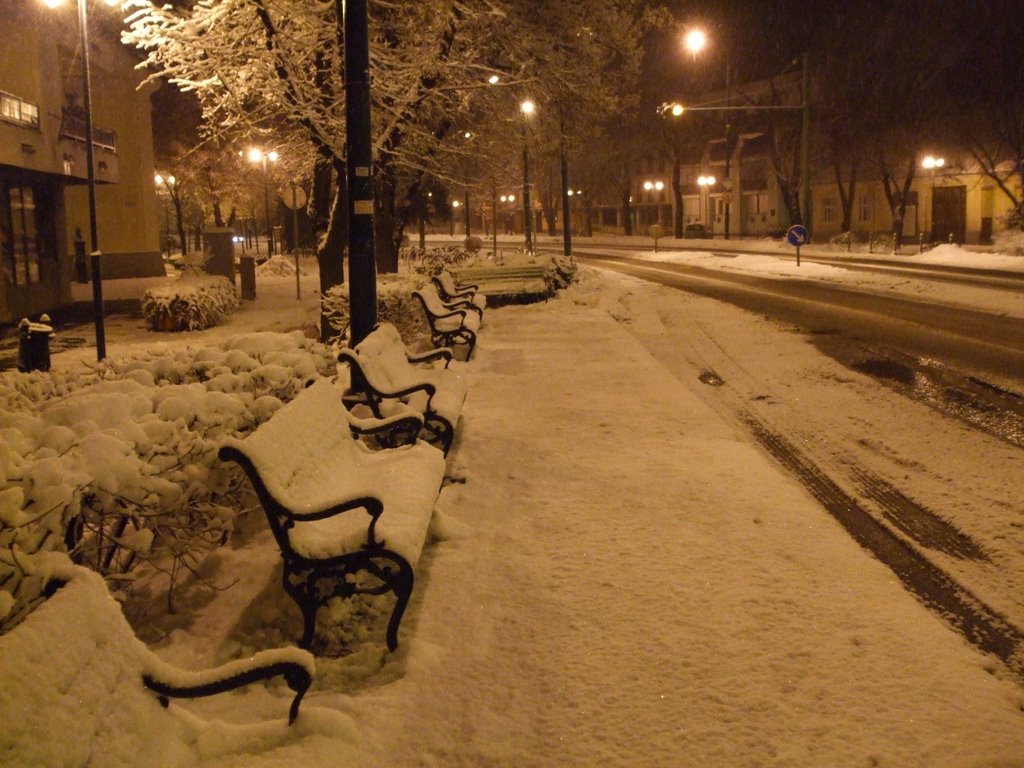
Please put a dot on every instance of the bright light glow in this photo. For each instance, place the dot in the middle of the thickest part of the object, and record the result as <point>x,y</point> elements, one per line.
<point>493,79</point>
<point>272,156</point>
<point>570,193</point>
<point>658,185</point>
<point>255,155</point>
<point>467,135</point>
<point>53,3</point>
<point>504,198</point>
<point>528,107</point>
<point>677,110</point>
<point>648,186</point>
<point>511,198</point>
<point>705,181</point>
<point>932,163</point>
<point>158,179</point>
<point>695,40</point>
<point>456,203</point>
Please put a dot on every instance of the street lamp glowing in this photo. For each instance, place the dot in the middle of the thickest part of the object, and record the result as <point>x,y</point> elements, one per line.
<point>493,79</point>
<point>706,181</point>
<point>456,203</point>
<point>677,110</point>
<point>658,185</point>
<point>528,107</point>
<point>931,163</point>
<point>695,40</point>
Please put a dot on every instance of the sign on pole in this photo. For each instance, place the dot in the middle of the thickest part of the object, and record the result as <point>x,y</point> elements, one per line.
<point>796,236</point>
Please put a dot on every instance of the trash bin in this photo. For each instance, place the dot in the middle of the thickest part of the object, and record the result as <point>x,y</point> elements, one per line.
<point>247,271</point>
<point>34,344</point>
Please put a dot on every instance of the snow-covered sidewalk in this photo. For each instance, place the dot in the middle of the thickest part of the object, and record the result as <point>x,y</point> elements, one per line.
<point>623,580</point>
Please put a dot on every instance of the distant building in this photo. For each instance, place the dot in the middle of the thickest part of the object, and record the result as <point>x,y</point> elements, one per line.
<point>956,201</point>
<point>43,195</point>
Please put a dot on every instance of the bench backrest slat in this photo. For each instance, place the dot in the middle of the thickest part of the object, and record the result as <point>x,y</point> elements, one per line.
<point>305,432</point>
<point>382,358</point>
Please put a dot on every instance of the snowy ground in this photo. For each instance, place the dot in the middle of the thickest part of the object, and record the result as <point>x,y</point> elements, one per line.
<point>619,577</point>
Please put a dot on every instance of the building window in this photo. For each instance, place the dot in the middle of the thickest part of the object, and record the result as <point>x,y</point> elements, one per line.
<point>18,110</point>
<point>19,234</point>
<point>865,211</point>
<point>828,210</point>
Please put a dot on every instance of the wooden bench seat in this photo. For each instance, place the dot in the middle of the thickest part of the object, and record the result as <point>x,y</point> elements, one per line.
<point>79,689</point>
<point>525,283</point>
<point>348,520</point>
<point>386,377</point>
<point>449,327</point>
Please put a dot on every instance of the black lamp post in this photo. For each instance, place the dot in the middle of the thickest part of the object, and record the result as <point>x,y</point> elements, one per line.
<point>94,253</point>
<point>527,108</point>
<point>257,155</point>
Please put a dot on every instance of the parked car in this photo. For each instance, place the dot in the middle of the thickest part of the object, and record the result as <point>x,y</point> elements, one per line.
<point>697,230</point>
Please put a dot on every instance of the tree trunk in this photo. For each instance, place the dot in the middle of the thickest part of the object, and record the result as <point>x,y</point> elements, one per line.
<point>328,210</point>
<point>384,219</point>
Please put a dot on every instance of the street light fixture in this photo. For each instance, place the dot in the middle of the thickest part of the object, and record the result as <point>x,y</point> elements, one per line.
<point>694,41</point>
<point>528,108</point>
<point>94,255</point>
<point>257,155</point>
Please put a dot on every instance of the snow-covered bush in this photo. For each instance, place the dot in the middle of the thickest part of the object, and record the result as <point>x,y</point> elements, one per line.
<point>190,303</point>
<point>1009,241</point>
<point>433,261</point>
<point>119,467</point>
<point>395,304</point>
<point>278,265</point>
<point>843,240</point>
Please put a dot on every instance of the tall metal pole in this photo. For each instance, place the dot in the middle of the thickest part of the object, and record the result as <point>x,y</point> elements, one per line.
<point>566,202</point>
<point>359,172</point>
<point>805,145</point>
<point>728,152</point>
<point>494,213</point>
<point>527,208</point>
<point>94,254</point>
<point>266,209</point>
<point>465,203</point>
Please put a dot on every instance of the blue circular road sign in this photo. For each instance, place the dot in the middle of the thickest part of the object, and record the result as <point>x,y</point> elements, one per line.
<point>798,235</point>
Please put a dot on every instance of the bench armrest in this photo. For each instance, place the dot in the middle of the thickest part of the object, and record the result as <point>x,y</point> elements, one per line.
<point>441,353</point>
<point>352,359</point>
<point>405,426</point>
<point>284,515</point>
<point>294,665</point>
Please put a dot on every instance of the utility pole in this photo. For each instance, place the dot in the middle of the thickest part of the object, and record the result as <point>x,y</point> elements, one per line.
<point>359,173</point>
<point>805,145</point>
<point>566,201</point>
<point>727,182</point>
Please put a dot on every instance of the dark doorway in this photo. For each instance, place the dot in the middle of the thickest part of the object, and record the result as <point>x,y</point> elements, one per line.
<point>949,214</point>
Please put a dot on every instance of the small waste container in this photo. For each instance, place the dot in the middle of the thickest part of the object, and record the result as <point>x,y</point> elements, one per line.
<point>34,344</point>
<point>247,271</point>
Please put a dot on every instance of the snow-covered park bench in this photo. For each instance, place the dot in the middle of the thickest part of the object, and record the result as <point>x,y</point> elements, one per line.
<point>449,327</point>
<point>387,378</point>
<point>452,293</point>
<point>348,519</point>
<point>526,282</point>
<point>78,687</point>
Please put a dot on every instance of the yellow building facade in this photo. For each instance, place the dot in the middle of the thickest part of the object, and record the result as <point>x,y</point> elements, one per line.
<point>43,192</point>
